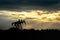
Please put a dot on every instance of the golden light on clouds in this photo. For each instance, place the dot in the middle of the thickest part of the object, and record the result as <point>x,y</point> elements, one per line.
<point>44,16</point>
<point>36,18</point>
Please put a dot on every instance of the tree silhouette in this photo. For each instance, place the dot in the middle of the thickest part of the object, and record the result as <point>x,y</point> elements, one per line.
<point>18,24</point>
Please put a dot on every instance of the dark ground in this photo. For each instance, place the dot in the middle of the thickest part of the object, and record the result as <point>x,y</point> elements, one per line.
<point>16,34</point>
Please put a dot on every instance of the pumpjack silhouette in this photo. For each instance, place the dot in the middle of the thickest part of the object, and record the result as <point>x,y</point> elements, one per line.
<point>18,24</point>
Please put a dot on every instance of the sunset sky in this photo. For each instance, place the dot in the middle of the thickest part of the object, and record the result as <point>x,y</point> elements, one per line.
<point>38,14</point>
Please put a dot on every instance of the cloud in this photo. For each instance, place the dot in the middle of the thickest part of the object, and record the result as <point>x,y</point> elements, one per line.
<point>43,20</point>
<point>16,5</point>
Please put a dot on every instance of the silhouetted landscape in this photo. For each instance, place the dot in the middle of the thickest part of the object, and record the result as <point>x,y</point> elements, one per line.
<point>29,30</point>
<point>14,33</point>
<point>18,33</point>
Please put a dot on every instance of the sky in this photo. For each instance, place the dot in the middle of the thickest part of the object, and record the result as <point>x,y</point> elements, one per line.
<point>45,4</point>
<point>38,14</point>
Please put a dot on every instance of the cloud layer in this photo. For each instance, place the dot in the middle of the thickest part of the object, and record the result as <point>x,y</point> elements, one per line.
<point>36,19</point>
<point>17,4</point>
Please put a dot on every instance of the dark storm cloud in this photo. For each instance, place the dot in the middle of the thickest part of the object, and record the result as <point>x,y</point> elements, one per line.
<point>34,2</point>
<point>13,4</point>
